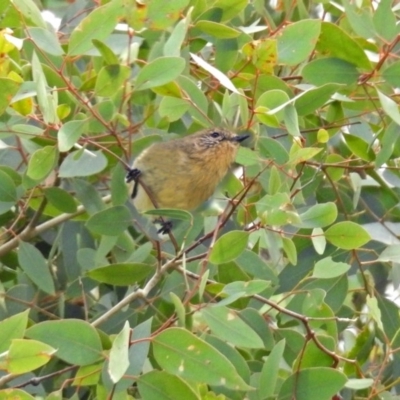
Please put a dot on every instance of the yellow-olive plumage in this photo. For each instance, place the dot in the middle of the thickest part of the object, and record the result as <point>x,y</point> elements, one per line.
<point>183,173</point>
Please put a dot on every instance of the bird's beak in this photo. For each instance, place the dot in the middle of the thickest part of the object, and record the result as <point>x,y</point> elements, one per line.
<point>240,138</point>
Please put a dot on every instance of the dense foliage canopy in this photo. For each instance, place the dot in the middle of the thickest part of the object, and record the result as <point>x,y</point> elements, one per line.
<point>282,287</point>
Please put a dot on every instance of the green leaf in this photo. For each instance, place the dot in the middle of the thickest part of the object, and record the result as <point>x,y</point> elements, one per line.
<point>8,191</point>
<point>12,328</point>
<point>88,196</point>
<point>327,71</point>
<point>390,107</point>
<point>173,108</point>
<point>299,155</point>
<point>108,55</point>
<point>297,41</point>
<point>159,72</point>
<point>122,274</point>
<point>270,148</point>
<point>271,100</point>
<point>160,385</point>
<point>229,246</point>
<point>318,216</point>
<point>263,54</point>
<point>385,21</point>
<point>226,324</point>
<point>390,254</point>
<point>110,79</point>
<point>180,309</point>
<point>27,131</point>
<point>318,240</point>
<point>218,30</point>
<point>391,74</point>
<point>390,317</point>
<point>335,173</point>
<point>327,268</point>
<point>46,40</point>
<point>291,120</point>
<point>313,356</point>
<point>162,14</point>
<point>218,75</point>
<point>76,341</point>
<point>97,25</point>
<point>360,147</point>
<point>270,371</point>
<point>247,157</point>
<point>244,289</point>
<point>60,199</point>
<point>290,250</point>
<point>119,354</point>
<point>315,98</point>
<point>9,89</point>
<point>304,384</point>
<point>35,266</point>
<point>119,189</point>
<point>359,384</point>
<point>347,235</point>
<point>30,11</point>
<point>199,108</point>
<point>230,8</point>
<point>82,163</point>
<point>111,222</point>
<point>27,355</point>
<point>257,266</point>
<point>70,133</point>
<point>173,45</point>
<point>7,394</point>
<point>184,355</point>
<point>335,42</point>
<point>360,19</point>
<point>47,100</point>
<point>42,162</point>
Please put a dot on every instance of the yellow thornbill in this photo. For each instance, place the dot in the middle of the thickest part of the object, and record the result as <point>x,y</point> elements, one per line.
<point>183,173</point>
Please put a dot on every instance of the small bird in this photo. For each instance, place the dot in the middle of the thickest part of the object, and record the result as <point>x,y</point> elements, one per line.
<point>183,173</point>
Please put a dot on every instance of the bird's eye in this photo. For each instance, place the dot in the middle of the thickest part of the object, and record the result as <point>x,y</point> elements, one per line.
<point>214,134</point>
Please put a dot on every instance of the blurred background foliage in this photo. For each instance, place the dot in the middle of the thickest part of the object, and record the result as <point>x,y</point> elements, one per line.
<point>283,286</point>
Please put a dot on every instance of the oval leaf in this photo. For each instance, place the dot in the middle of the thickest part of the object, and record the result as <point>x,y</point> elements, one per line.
<point>69,134</point>
<point>327,268</point>
<point>218,30</point>
<point>27,355</point>
<point>297,41</point>
<point>347,235</point>
<point>304,384</point>
<point>229,246</point>
<point>123,274</point>
<point>226,324</point>
<point>60,199</point>
<point>76,341</point>
<point>82,163</point>
<point>8,192</point>
<point>172,386</point>
<point>184,355</point>
<point>35,266</point>
<point>42,163</point>
<point>159,72</point>
<point>119,354</point>
<point>97,25</point>
<point>318,216</point>
<point>110,222</point>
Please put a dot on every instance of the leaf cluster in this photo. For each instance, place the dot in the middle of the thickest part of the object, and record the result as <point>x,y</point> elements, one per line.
<point>277,289</point>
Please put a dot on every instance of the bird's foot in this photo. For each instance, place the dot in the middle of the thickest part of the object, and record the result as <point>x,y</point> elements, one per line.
<point>132,175</point>
<point>166,227</point>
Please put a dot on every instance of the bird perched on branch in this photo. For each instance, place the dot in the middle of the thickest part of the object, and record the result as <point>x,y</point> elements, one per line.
<point>182,173</point>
